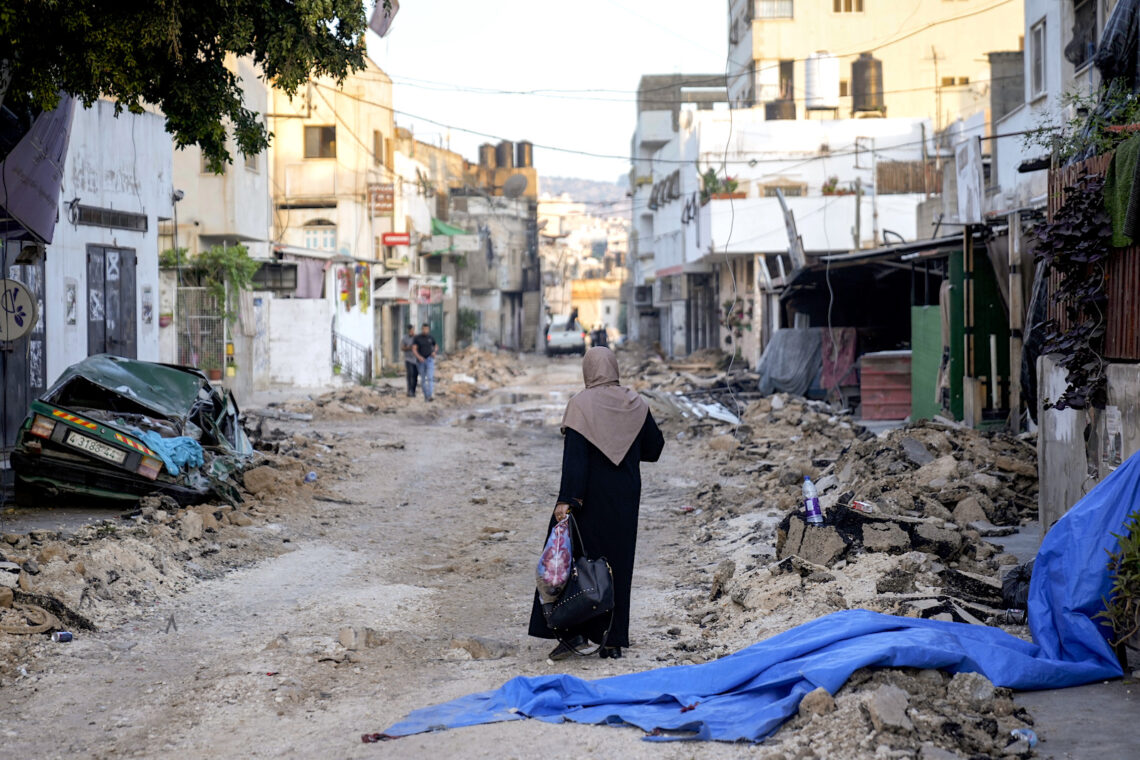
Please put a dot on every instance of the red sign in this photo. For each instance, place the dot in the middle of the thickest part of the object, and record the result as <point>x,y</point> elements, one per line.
<point>396,238</point>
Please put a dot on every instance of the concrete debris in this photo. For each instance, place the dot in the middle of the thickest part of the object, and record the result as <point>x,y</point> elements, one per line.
<point>354,639</point>
<point>481,648</point>
<point>886,707</point>
<point>972,691</point>
<point>817,702</point>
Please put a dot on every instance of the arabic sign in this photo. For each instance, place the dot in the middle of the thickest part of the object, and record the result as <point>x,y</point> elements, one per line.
<point>396,238</point>
<point>383,197</point>
<point>17,310</point>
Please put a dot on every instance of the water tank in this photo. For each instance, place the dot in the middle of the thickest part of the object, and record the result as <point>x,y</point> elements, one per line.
<point>487,155</point>
<point>775,110</point>
<point>867,84</point>
<point>505,155</point>
<point>524,155</point>
<point>821,82</point>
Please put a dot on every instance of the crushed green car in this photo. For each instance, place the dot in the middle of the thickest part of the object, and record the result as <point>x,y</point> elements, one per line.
<point>94,435</point>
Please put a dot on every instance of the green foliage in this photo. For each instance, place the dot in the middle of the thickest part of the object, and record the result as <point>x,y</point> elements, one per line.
<point>215,268</point>
<point>711,184</point>
<point>467,323</point>
<point>1087,134</point>
<point>1122,608</point>
<point>171,54</point>
<point>171,258</point>
<point>1075,245</point>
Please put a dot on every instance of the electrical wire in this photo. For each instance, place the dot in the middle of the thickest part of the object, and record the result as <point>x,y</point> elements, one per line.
<point>592,154</point>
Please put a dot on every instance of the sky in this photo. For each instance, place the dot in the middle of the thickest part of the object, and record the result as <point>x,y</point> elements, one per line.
<point>444,55</point>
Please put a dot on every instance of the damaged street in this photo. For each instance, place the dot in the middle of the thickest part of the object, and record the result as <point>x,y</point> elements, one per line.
<point>646,379</point>
<point>399,576</point>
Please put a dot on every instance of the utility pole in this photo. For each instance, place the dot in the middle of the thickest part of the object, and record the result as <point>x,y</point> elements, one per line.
<point>937,101</point>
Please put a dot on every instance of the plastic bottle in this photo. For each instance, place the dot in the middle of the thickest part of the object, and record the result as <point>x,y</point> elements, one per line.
<point>1026,735</point>
<point>813,515</point>
<point>311,477</point>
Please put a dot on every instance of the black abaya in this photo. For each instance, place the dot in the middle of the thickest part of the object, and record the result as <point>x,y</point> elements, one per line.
<point>607,519</point>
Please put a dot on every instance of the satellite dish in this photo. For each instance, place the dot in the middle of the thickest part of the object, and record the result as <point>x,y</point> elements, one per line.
<point>515,186</point>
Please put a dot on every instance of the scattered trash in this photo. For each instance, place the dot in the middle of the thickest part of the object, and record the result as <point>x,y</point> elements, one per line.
<point>862,506</point>
<point>61,637</point>
<point>1027,735</point>
<point>311,477</point>
<point>812,513</point>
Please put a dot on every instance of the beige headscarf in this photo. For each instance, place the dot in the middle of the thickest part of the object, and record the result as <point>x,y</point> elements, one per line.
<point>606,414</point>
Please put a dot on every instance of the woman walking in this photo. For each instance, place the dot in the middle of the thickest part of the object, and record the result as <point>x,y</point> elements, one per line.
<point>609,432</point>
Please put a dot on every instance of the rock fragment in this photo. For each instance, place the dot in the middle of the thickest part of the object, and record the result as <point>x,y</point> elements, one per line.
<point>972,691</point>
<point>817,702</point>
<point>886,707</point>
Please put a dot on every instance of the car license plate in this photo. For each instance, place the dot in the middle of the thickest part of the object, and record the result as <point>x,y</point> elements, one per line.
<point>99,449</point>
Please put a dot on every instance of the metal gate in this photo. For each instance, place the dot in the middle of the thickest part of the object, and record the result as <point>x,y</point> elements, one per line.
<point>112,324</point>
<point>201,331</point>
<point>22,362</point>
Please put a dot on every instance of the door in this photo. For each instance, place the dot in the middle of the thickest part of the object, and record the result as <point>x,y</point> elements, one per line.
<point>22,365</point>
<point>111,317</point>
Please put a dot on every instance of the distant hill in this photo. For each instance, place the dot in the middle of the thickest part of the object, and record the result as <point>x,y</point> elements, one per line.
<point>582,190</point>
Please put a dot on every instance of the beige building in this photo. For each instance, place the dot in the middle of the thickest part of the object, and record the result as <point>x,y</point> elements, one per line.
<point>335,191</point>
<point>932,54</point>
<point>598,301</point>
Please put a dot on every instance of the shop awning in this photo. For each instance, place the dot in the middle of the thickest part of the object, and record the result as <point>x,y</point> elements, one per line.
<point>440,227</point>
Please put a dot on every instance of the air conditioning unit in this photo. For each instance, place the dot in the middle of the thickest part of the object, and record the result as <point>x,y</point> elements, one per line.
<point>643,295</point>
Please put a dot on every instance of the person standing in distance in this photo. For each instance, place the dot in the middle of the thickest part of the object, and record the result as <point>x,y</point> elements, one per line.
<point>423,346</point>
<point>411,371</point>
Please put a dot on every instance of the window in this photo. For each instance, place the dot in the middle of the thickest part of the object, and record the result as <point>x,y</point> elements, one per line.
<point>789,191</point>
<point>251,162</point>
<point>107,217</point>
<point>377,147</point>
<point>320,142</point>
<point>276,276</point>
<point>1082,46</point>
<point>843,88</point>
<point>952,81</point>
<point>773,8</point>
<point>1037,59</point>
<point>847,6</point>
<point>320,235</point>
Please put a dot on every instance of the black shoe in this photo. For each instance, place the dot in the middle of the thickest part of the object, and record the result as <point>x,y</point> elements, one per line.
<point>612,653</point>
<point>565,649</point>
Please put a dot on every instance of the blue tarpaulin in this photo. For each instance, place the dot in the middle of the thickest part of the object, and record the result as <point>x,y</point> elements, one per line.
<point>747,695</point>
<point>175,452</point>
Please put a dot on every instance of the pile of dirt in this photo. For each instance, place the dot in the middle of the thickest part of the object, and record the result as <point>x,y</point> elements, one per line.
<point>905,713</point>
<point>472,371</point>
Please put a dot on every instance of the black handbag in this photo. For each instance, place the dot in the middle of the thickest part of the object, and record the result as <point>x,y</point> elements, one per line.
<point>589,593</point>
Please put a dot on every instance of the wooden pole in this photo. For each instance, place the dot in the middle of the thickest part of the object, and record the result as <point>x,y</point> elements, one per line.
<point>1016,321</point>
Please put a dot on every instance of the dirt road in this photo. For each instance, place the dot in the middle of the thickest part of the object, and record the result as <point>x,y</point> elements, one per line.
<point>433,546</point>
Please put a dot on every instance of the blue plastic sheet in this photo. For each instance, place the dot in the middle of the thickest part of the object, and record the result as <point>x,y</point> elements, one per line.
<point>747,695</point>
<point>175,452</point>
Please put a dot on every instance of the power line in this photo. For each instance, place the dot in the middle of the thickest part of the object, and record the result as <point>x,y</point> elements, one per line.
<point>558,95</point>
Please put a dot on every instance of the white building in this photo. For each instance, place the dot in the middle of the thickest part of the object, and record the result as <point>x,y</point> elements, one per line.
<point>1052,30</point>
<point>101,270</point>
<point>697,250</point>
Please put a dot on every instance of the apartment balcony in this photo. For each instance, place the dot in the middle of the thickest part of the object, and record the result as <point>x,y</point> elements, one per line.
<point>654,129</point>
<point>311,179</point>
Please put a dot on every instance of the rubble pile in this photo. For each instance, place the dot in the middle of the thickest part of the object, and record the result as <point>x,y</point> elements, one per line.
<point>484,370</point>
<point>905,713</point>
<point>935,493</point>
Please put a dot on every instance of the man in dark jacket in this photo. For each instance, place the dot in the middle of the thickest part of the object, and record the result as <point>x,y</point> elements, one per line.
<point>411,371</point>
<point>423,347</point>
